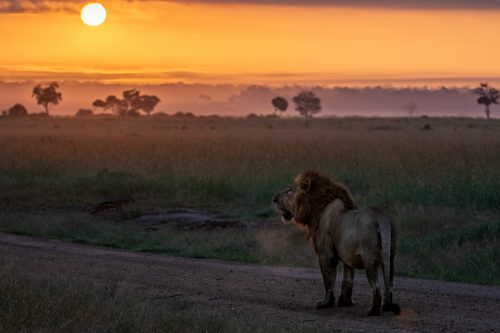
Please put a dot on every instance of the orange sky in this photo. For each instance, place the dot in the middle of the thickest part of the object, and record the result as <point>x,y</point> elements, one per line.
<point>152,41</point>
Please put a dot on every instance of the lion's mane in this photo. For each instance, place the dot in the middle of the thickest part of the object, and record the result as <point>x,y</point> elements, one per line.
<point>313,192</point>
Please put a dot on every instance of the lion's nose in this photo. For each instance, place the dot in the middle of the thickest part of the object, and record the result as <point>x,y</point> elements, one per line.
<point>275,199</point>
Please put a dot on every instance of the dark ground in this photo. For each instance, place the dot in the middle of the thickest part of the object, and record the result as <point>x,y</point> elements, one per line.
<point>283,298</point>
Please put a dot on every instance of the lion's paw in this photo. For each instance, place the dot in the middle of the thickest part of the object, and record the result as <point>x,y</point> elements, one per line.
<point>344,302</point>
<point>325,304</point>
<point>374,312</point>
<point>393,307</point>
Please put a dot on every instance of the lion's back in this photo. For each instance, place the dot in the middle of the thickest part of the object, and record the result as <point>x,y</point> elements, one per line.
<point>359,223</point>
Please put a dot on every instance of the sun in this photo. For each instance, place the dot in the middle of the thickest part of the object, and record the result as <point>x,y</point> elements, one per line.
<point>93,14</point>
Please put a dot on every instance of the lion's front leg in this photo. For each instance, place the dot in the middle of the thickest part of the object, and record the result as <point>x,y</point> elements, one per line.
<point>345,298</point>
<point>328,267</point>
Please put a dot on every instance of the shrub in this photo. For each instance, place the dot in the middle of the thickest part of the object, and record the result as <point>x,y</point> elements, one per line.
<point>84,113</point>
<point>18,110</point>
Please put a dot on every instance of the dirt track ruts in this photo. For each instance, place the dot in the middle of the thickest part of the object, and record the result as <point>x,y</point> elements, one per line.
<point>284,297</point>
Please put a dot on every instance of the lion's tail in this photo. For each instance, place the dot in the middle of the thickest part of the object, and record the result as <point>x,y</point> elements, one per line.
<point>387,236</point>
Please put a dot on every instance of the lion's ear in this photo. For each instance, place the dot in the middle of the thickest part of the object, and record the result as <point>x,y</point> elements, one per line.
<point>306,185</point>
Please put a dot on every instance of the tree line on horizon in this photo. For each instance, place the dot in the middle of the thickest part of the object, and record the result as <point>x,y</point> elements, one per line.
<point>49,95</point>
<point>307,103</point>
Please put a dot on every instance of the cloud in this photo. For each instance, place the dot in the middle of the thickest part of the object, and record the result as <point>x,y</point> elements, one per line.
<point>38,6</point>
<point>34,6</point>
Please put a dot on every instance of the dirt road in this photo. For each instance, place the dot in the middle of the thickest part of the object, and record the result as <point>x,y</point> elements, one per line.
<point>284,297</point>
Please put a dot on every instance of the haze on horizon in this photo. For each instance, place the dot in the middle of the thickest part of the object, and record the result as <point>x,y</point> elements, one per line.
<point>316,42</point>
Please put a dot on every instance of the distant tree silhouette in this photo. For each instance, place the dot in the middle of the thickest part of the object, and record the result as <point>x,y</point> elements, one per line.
<point>138,102</point>
<point>47,95</point>
<point>280,104</point>
<point>411,107</point>
<point>148,103</point>
<point>487,96</point>
<point>99,103</point>
<point>18,110</point>
<point>130,105</point>
<point>307,104</point>
<point>117,106</point>
<point>84,113</point>
<point>133,98</point>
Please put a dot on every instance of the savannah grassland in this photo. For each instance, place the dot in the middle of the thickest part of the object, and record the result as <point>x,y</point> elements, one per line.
<point>441,185</point>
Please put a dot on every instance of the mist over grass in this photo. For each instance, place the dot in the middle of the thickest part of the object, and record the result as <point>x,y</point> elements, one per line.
<point>440,184</point>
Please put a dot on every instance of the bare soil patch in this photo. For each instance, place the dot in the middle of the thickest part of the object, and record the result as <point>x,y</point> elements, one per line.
<point>188,219</point>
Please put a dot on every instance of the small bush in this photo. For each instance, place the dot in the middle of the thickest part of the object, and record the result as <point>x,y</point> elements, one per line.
<point>84,113</point>
<point>18,110</point>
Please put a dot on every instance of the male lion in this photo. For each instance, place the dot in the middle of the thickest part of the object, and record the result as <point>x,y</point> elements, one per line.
<point>338,231</point>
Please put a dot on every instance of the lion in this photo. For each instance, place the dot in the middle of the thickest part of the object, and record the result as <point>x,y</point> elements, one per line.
<point>339,231</point>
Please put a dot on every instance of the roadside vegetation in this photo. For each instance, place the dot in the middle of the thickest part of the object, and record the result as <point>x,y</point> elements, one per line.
<point>42,302</point>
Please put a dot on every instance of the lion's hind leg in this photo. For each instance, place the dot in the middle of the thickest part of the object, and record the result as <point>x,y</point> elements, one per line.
<point>345,298</point>
<point>372,270</point>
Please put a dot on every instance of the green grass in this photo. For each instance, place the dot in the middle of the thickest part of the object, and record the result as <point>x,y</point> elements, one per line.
<point>269,246</point>
<point>441,185</point>
<point>471,253</point>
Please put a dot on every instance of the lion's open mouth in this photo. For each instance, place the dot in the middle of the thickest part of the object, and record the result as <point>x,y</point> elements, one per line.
<point>287,216</point>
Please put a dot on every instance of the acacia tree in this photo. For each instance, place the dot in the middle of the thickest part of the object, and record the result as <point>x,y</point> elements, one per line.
<point>130,105</point>
<point>487,96</point>
<point>280,104</point>
<point>47,95</point>
<point>148,103</point>
<point>133,98</point>
<point>137,102</point>
<point>117,106</point>
<point>307,104</point>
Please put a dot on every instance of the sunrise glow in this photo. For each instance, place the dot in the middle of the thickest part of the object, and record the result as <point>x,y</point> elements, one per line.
<point>274,43</point>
